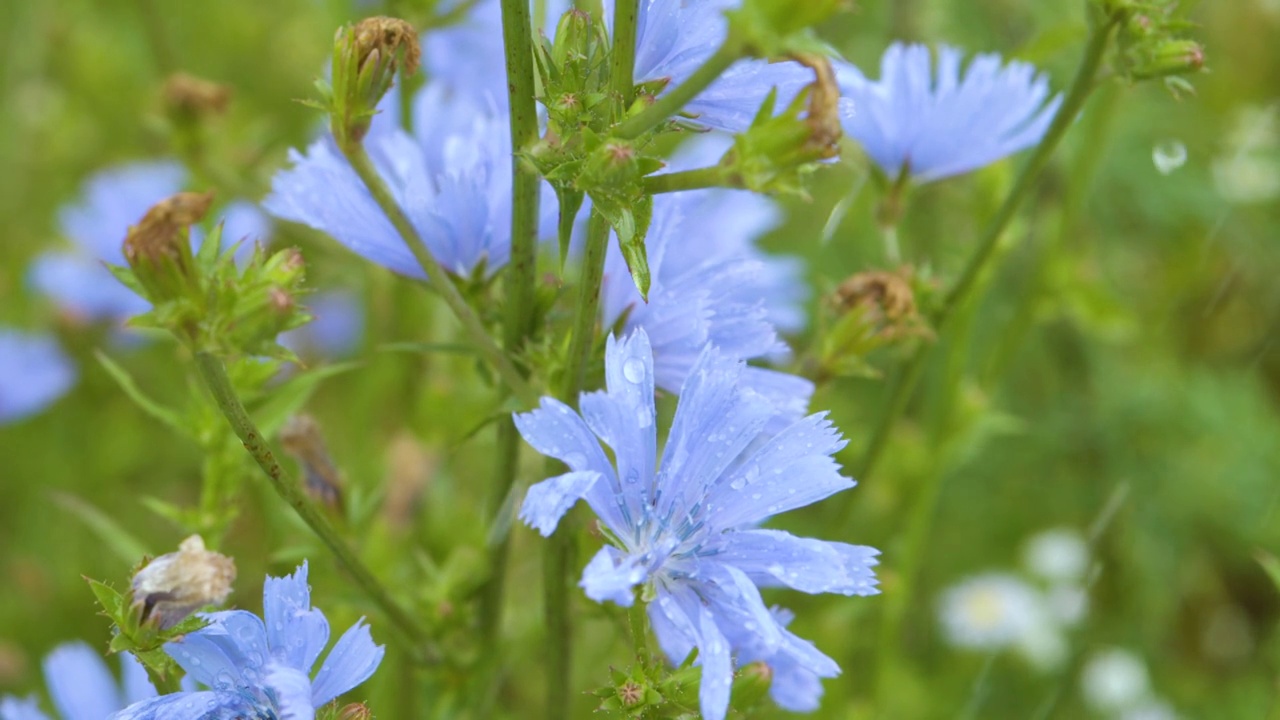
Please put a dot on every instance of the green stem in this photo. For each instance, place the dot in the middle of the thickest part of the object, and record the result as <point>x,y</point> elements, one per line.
<point>440,280</point>
<point>706,177</point>
<point>164,684</point>
<point>622,61</point>
<point>900,393</point>
<point>558,560</point>
<point>518,278</point>
<point>670,103</point>
<point>639,631</point>
<point>215,378</point>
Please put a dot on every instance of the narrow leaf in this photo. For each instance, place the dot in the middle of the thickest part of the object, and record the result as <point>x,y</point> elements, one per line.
<point>289,398</point>
<point>149,406</point>
<point>127,547</point>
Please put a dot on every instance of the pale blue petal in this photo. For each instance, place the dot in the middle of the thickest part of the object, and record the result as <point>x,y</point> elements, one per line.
<point>351,661</point>
<point>34,373</point>
<point>80,684</point>
<point>336,328</point>
<point>114,199</point>
<point>546,502</point>
<point>12,708</point>
<point>791,470</point>
<point>81,286</point>
<point>210,655</point>
<point>295,632</point>
<point>134,681</point>
<point>291,689</point>
<point>203,705</point>
<point>612,575</point>
<point>717,668</point>
<point>671,626</point>
<point>938,124</point>
<point>714,422</point>
<point>773,557</point>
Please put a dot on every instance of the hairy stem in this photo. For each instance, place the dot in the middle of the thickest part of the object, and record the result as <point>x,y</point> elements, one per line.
<point>900,392</point>
<point>670,103</point>
<point>622,61</point>
<point>518,279</point>
<point>215,378</point>
<point>440,279</point>
<point>558,560</point>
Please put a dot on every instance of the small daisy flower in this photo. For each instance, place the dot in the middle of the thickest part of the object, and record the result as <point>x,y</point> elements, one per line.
<point>990,611</point>
<point>1113,680</point>
<point>932,123</point>
<point>1060,555</point>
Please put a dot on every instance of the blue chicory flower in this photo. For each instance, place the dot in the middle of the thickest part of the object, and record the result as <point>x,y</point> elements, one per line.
<point>452,178</point>
<point>696,299</point>
<point>685,526</point>
<point>82,687</point>
<point>674,39</point>
<point>112,200</point>
<point>261,670</point>
<point>34,372</point>
<point>933,126</point>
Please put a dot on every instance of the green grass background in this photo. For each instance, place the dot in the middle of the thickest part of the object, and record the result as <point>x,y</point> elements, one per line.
<point>1125,347</point>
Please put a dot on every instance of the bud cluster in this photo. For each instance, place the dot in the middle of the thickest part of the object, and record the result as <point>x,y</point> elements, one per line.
<point>366,58</point>
<point>204,298</point>
<point>1150,43</point>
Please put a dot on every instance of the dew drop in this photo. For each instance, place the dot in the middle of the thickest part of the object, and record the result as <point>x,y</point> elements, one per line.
<point>633,475</point>
<point>633,370</point>
<point>575,460</point>
<point>1168,156</point>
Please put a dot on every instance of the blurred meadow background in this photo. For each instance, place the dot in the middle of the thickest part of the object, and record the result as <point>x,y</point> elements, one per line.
<point>1119,379</point>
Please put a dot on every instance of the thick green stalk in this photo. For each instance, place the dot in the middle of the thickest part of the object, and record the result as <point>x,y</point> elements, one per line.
<point>706,177</point>
<point>670,103</point>
<point>622,60</point>
<point>518,279</point>
<point>900,392</point>
<point>440,279</point>
<point>215,378</point>
<point>558,561</point>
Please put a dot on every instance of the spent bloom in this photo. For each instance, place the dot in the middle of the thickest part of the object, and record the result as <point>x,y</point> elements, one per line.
<point>82,686</point>
<point>176,584</point>
<point>934,123</point>
<point>260,668</point>
<point>34,372</point>
<point>452,178</point>
<point>685,525</point>
<point>111,201</point>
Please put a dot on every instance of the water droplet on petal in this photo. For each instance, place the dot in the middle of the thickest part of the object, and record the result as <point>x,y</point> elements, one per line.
<point>1168,156</point>
<point>575,460</point>
<point>633,370</point>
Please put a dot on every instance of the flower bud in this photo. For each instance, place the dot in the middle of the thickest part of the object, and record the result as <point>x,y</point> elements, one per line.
<point>355,711</point>
<point>158,248</point>
<point>302,440</point>
<point>1168,57</point>
<point>190,97</point>
<point>573,38</point>
<point>174,585</point>
<point>366,58</point>
<point>751,685</point>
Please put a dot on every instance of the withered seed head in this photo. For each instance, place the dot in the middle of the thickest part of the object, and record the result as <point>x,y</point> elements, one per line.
<point>824,106</point>
<point>387,36</point>
<point>188,94</point>
<point>172,586</point>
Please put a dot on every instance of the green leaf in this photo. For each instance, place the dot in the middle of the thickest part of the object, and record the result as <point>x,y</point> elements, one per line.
<point>127,547</point>
<point>289,398</point>
<point>1271,564</point>
<point>419,348</point>
<point>112,602</point>
<point>149,406</point>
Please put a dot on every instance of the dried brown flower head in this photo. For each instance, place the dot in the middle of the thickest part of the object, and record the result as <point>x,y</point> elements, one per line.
<point>380,36</point>
<point>174,585</point>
